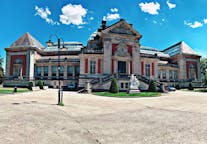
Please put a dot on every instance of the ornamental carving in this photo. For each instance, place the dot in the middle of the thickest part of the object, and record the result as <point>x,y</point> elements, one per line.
<point>122,30</point>
<point>122,50</point>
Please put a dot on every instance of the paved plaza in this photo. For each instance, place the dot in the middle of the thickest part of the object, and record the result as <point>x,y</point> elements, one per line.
<point>34,118</point>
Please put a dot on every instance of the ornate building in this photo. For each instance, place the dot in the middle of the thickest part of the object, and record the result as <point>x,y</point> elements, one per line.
<point>112,51</point>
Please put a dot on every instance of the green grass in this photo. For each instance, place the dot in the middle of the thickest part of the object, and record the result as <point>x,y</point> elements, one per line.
<point>201,90</point>
<point>124,94</point>
<point>61,104</point>
<point>10,90</point>
<point>196,90</point>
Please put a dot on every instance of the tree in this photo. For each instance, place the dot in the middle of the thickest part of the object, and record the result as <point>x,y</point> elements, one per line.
<point>152,86</point>
<point>177,86</point>
<point>190,86</point>
<point>1,70</point>
<point>30,85</point>
<point>114,88</point>
<point>203,67</point>
<point>40,84</point>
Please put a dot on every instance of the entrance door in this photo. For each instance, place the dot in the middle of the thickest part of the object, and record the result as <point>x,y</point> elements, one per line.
<point>121,67</point>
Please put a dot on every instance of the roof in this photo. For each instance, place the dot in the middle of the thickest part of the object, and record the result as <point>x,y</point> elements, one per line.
<point>179,48</point>
<point>27,40</point>
<point>70,46</point>
<point>152,51</point>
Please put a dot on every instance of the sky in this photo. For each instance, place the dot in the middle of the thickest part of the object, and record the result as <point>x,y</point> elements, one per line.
<point>161,23</point>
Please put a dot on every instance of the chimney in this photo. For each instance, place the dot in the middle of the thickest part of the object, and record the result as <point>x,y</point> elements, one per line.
<point>103,24</point>
<point>131,25</point>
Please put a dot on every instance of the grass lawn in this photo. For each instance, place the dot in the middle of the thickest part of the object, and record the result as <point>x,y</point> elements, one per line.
<point>10,90</point>
<point>124,94</point>
<point>196,90</point>
<point>201,90</point>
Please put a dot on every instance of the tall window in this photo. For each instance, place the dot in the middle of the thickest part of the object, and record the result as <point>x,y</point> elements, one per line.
<point>70,71</point>
<point>175,74</point>
<point>158,75</point>
<point>54,69</point>
<point>39,70</point>
<point>164,74</point>
<point>17,67</point>
<point>147,69</point>
<point>170,75</point>
<point>192,71</point>
<point>92,67</point>
<point>61,71</point>
<point>77,70</point>
<point>45,70</point>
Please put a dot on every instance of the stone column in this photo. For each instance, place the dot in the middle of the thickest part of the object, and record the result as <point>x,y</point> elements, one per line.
<point>107,57</point>
<point>156,69</point>
<point>82,64</point>
<point>65,71</point>
<point>167,74</point>
<point>128,67</point>
<point>49,71</point>
<point>182,69</point>
<point>32,64</point>
<point>115,66</point>
<point>136,64</point>
<point>42,70</point>
<point>8,64</point>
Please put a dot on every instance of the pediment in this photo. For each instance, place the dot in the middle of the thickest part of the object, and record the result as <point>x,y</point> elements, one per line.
<point>122,27</point>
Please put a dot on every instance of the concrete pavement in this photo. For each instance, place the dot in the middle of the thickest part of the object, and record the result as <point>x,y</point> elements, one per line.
<point>174,118</point>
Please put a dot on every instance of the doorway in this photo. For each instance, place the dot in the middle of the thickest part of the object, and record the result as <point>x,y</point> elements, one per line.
<point>121,67</point>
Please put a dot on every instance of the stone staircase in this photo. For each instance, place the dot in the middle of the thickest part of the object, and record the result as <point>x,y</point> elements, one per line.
<point>103,83</point>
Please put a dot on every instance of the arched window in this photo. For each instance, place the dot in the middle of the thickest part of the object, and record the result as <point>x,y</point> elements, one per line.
<point>192,71</point>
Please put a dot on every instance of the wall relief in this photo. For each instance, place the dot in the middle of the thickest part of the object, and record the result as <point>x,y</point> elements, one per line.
<point>122,30</point>
<point>122,50</point>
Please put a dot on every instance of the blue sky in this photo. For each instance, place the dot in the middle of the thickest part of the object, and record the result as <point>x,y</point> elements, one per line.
<point>161,22</point>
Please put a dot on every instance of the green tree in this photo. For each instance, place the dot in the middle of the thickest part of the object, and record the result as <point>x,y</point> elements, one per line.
<point>203,67</point>
<point>1,70</point>
<point>114,87</point>
<point>177,86</point>
<point>152,86</point>
<point>40,84</point>
<point>30,85</point>
<point>190,86</point>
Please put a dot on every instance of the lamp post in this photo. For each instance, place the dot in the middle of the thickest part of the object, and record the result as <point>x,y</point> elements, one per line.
<point>49,44</point>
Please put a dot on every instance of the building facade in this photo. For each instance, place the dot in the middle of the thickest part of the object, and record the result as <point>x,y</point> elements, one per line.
<point>111,51</point>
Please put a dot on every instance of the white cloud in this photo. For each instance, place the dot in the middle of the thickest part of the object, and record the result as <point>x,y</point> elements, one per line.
<point>154,21</point>
<point>80,27</point>
<point>73,14</point>
<point>111,17</point>
<point>114,10</point>
<point>44,14</point>
<point>194,25</point>
<point>91,18</point>
<point>205,21</point>
<point>170,5</point>
<point>151,8</point>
